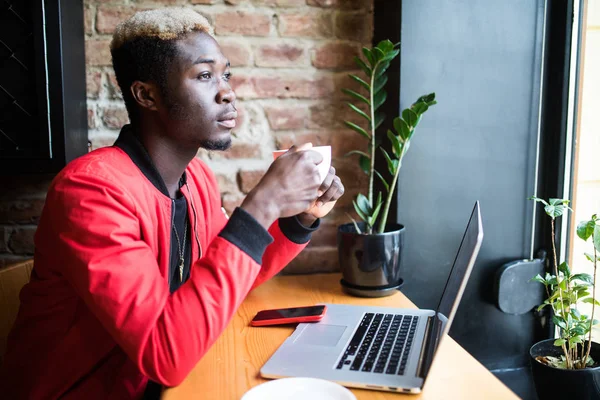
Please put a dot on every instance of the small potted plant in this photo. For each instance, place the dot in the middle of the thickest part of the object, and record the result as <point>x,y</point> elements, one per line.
<point>567,367</point>
<point>370,250</point>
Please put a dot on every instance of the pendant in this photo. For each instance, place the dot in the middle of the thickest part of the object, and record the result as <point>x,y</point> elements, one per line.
<point>181,270</point>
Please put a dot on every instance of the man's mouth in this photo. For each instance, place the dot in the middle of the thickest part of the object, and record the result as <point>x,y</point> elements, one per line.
<point>228,120</point>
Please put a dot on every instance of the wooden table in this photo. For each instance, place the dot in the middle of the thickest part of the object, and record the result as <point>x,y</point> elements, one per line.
<point>231,367</point>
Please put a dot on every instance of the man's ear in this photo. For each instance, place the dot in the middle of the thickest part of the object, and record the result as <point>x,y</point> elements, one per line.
<point>145,94</point>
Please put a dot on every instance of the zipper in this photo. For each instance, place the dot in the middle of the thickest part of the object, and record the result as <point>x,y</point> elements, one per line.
<point>169,273</point>
<point>195,223</point>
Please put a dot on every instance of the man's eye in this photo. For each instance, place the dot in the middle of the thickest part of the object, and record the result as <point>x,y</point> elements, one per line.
<point>227,76</point>
<point>204,75</point>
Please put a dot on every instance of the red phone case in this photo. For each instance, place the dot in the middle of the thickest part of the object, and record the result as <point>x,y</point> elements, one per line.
<point>290,320</point>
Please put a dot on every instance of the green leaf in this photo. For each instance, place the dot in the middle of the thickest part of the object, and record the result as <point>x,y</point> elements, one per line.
<point>538,278</point>
<point>575,340</point>
<point>555,211</point>
<point>575,313</point>
<point>379,99</point>
<point>579,330</point>
<point>379,83</point>
<point>559,322</point>
<point>362,83</point>
<point>585,229</point>
<point>390,162</point>
<point>410,117</point>
<point>396,145</point>
<point>357,96</point>
<point>583,277</point>
<point>541,306</point>
<point>359,111</point>
<point>368,55</point>
<point>391,55</point>
<point>427,98</point>
<point>563,284</point>
<point>362,153</point>
<point>591,300</point>
<point>385,45</point>
<point>357,128</point>
<point>419,108</point>
<point>364,204</point>
<point>564,268</point>
<point>381,68</point>
<point>537,199</point>
<point>402,128</point>
<point>555,202</point>
<point>359,211</point>
<point>365,68</point>
<point>365,164</point>
<point>387,185</point>
<point>379,118</point>
<point>597,238</point>
<point>589,256</point>
<point>376,211</point>
<point>378,54</point>
<point>559,342</point>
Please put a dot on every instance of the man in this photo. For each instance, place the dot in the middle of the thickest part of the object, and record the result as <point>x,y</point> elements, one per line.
<point>137,269</point>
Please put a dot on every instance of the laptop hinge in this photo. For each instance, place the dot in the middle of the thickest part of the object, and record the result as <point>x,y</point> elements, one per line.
<point>432,332</point>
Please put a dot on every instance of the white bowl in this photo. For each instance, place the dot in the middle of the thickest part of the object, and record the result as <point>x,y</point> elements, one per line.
<point>299,389</point>
<point>325,152</point>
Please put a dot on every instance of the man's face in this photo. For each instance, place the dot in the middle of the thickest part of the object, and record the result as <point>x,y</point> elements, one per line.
<point>199,105</point>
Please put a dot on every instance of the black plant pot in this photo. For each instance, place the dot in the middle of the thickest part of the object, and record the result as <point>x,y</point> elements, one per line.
<point>555,383</point>
<point>370,264</point>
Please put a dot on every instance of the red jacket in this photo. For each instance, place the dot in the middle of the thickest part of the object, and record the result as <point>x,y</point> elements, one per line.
<point>97,319</point>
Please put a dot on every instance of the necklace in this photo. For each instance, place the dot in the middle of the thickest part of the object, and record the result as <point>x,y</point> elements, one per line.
<point>181,250</point>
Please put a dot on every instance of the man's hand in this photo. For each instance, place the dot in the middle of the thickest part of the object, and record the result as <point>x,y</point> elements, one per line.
<point>290,186</point>
<point>330,191</point>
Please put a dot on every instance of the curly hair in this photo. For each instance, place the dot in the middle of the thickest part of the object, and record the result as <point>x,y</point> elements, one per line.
<point>143,47</point>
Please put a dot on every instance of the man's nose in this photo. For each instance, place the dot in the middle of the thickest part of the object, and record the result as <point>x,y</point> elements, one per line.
<point>226,94</point>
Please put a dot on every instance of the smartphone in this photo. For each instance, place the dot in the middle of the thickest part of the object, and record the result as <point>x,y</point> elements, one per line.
<point>288,315</point>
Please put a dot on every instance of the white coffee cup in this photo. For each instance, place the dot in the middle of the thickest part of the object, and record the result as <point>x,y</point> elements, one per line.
<point>323,167</point>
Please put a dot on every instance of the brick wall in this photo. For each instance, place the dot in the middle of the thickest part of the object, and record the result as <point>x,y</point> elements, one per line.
<point>290,58</point>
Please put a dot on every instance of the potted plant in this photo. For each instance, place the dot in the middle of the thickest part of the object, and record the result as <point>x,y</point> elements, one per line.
<point>370,251</point>
<point>567,367</point>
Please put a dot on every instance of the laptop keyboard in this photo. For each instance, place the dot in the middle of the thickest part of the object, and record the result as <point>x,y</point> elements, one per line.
<point>381,344</point>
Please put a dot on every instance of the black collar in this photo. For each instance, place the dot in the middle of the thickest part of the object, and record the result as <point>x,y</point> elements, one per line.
<point>133,147</point>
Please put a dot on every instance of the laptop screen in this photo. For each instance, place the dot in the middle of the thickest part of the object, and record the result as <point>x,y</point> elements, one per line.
<point>455,285</point>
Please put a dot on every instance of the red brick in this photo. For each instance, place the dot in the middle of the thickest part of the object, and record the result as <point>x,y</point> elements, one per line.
<point>202,1</point>
<point>249,179</point>
<point>342,4</point>
<point>230,202</point>
<point>103,140</point>
<point>91,117</point>
<point>21,241</point>
<point>242,23</point>
<point>354,26</point>
<point>235,2</point>
<point>114,91</point>
<point>311,24</point>
<point>241,150</point>
<point>239,55</point>
<point>115,118</point>
<point>88,22</point>
<point>285,141</point>
<point>93,80</point>
<point>326,235</point>
<point>283,118</point>
<point>279,3</point>
<point>344,141</point>
<point>97,52</point>
<point>341,141</point>
<point>240,121</point>
<point>314,260</point>
<point>279,55</point>
<point>332,115</point>
<point>227,184</point>
<point>108,17</point>
<point>335,55</point>
<point>21,211</point>
<point>261,87</point>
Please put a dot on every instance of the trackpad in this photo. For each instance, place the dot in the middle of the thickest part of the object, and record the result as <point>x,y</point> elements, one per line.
<point>321,335</point>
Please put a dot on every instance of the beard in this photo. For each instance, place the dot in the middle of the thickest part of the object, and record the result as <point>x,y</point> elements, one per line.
<point>219,145</point>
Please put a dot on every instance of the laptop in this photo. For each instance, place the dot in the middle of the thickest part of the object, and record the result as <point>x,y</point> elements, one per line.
<point>379,348</point>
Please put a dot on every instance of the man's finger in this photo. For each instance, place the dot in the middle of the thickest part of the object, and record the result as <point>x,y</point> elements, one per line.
<point>304,146</point>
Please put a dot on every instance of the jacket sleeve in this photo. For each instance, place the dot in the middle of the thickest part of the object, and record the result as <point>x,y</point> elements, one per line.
<point>93,229</point>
